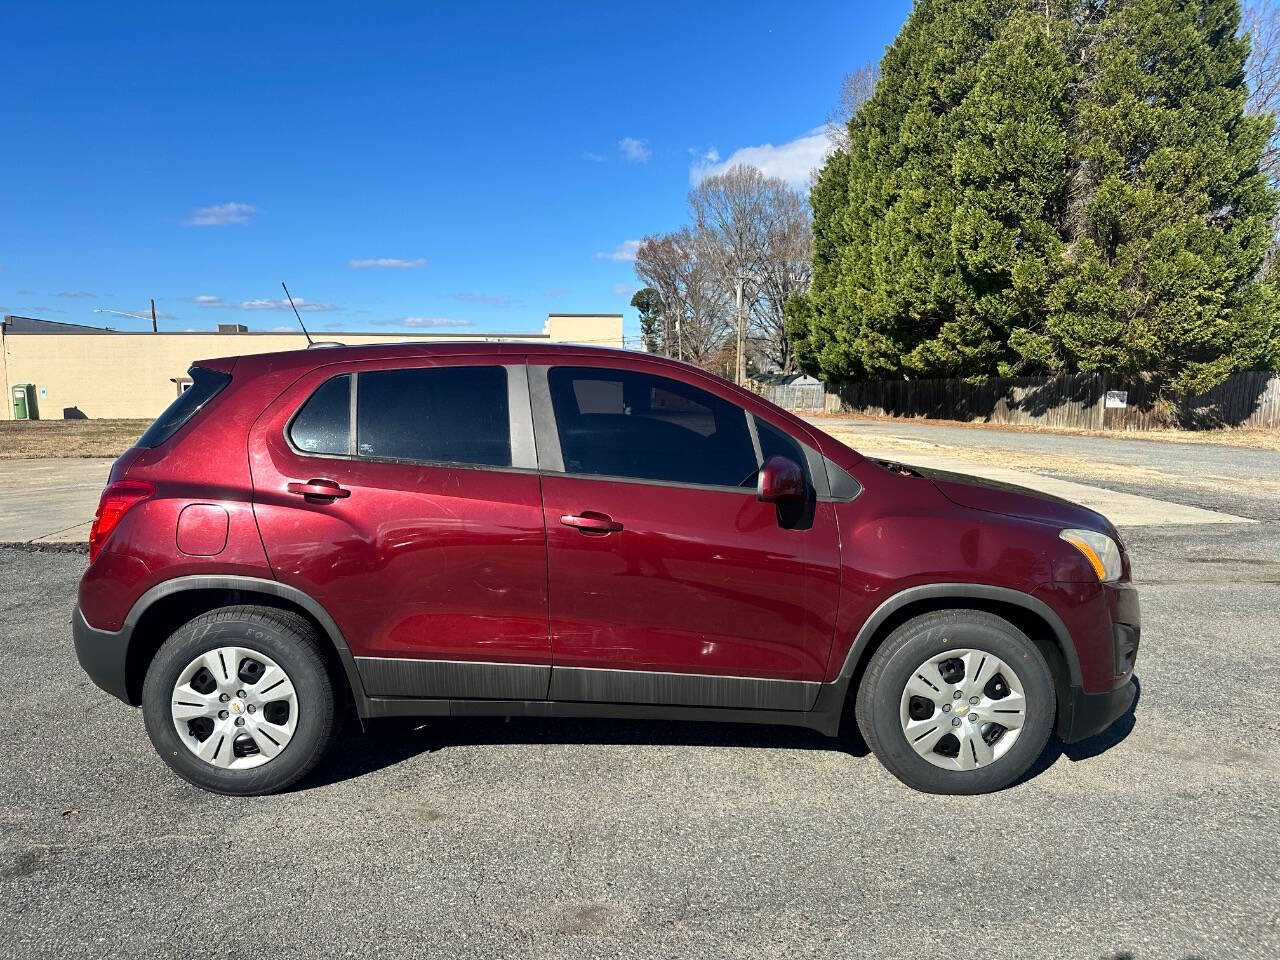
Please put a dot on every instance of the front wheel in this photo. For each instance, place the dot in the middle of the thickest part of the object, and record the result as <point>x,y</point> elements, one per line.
<point>957,701</point>
<point>239,700</point>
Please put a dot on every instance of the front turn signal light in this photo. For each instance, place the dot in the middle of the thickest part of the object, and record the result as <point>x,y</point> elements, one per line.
<point>1100,550</point>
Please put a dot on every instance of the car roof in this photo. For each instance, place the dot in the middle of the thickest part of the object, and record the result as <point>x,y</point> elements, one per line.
<point>324,354</point>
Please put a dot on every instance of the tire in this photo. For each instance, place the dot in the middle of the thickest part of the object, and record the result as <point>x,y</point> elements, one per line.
<point>966,664</point>
<point>287,724</point>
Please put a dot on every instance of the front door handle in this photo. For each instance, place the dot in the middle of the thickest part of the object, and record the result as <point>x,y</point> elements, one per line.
<point>591,522</point>
<point>319,490</point>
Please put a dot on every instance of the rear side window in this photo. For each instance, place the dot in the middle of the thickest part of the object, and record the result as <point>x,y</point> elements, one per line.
<point>622,423</point>
<point>435,414</point>
<point>205,385</point>
<point>323,425</point>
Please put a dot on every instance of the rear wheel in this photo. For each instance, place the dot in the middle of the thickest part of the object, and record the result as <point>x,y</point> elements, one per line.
<point>239,700</point>
<point>957,701</point>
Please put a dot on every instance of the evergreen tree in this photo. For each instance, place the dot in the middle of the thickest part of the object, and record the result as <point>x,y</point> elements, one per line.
<point>1069,185</point>
<point>648,303</point>
<point>1174,211</point>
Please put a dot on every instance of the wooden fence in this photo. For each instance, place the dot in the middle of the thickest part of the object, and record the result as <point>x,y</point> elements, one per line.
<point>1250,399</point>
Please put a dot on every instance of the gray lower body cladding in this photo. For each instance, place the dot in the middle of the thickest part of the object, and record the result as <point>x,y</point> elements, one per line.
<point>455,679</point>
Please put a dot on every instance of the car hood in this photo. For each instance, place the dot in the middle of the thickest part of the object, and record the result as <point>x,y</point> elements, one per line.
<point>1008,499</point>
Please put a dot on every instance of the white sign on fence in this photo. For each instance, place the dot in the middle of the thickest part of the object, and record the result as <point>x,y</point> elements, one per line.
<point>1117,399</point>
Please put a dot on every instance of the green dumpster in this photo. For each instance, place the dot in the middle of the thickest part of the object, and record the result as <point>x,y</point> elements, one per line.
<point>24,402</point>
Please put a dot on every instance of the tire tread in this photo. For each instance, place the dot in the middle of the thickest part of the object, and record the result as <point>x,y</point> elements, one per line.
<point>880,662</point>
<point>296,629</point>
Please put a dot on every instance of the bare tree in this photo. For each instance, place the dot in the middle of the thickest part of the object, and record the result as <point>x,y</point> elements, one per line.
<point>733,217</point>
<point>696,319</point>
<point>855,89</point>
<point>755,230</point>
<point>785,271</point>
<point>1261,21</point>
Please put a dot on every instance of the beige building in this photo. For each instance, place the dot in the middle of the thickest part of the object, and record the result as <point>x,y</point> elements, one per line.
<point>76,372</point>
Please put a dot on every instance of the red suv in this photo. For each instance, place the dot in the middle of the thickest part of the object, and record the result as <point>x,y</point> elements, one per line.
<point>503,529</point>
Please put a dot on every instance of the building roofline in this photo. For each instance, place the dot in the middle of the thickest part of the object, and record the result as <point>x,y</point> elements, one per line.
<point>404,334</point>
<point>77,328</point>
<point>85,329</point>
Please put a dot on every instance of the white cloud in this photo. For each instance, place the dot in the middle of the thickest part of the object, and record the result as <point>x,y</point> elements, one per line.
<point>304,306</point>
<point>625,252</point>
<point>624,289</point>
<point>594,157</point>
<point>207,300</point>
<point>636,151</point>
<point>392,262</point>
<point>221,214</point>
<point>77,295</point>
<point>793,161</point>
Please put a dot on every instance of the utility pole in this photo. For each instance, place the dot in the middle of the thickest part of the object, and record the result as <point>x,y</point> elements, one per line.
<point>154,327</point>
<point>742,336</point>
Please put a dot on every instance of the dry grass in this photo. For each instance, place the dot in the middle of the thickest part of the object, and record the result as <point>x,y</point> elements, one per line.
<point>1251,437</point>
<point>35,439</point>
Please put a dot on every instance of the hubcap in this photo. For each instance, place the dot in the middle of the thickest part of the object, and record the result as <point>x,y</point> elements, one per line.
<point>234,708</point>
<point>963,709</point>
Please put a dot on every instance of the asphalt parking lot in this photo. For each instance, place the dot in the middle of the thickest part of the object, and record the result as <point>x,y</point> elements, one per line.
<point>484,838</point>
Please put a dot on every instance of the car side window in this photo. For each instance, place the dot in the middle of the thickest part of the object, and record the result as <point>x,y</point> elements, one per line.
<point>434,415</point>
<point>323,425</point>
<point>623,423</point>
<point>775,443</point>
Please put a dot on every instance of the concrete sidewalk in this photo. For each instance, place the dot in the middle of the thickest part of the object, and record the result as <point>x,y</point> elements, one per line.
<point>50,501</point>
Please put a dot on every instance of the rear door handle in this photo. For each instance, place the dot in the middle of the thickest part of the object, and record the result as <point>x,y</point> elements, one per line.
<point>319,489</point>
<point>591,522</point>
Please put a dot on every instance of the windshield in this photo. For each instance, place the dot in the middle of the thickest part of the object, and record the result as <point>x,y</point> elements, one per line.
<point>205,384</point>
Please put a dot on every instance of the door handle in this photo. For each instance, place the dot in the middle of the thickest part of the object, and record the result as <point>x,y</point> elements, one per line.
<point>319,490</point>
<point>591,522</point>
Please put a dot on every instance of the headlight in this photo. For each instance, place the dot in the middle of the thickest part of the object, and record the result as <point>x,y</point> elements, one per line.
<point>1099,549</point>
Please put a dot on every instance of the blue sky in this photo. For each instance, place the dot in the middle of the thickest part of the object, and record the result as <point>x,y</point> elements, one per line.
<point>402,166</point>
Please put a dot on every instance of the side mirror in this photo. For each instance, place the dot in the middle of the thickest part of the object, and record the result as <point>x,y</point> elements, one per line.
<point>781,481</point>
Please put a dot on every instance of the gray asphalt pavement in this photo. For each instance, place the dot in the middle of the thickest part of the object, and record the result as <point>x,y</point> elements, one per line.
<point>483,838</point>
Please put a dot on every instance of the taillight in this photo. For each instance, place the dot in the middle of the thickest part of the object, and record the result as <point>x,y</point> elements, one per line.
<point>117,500</point>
